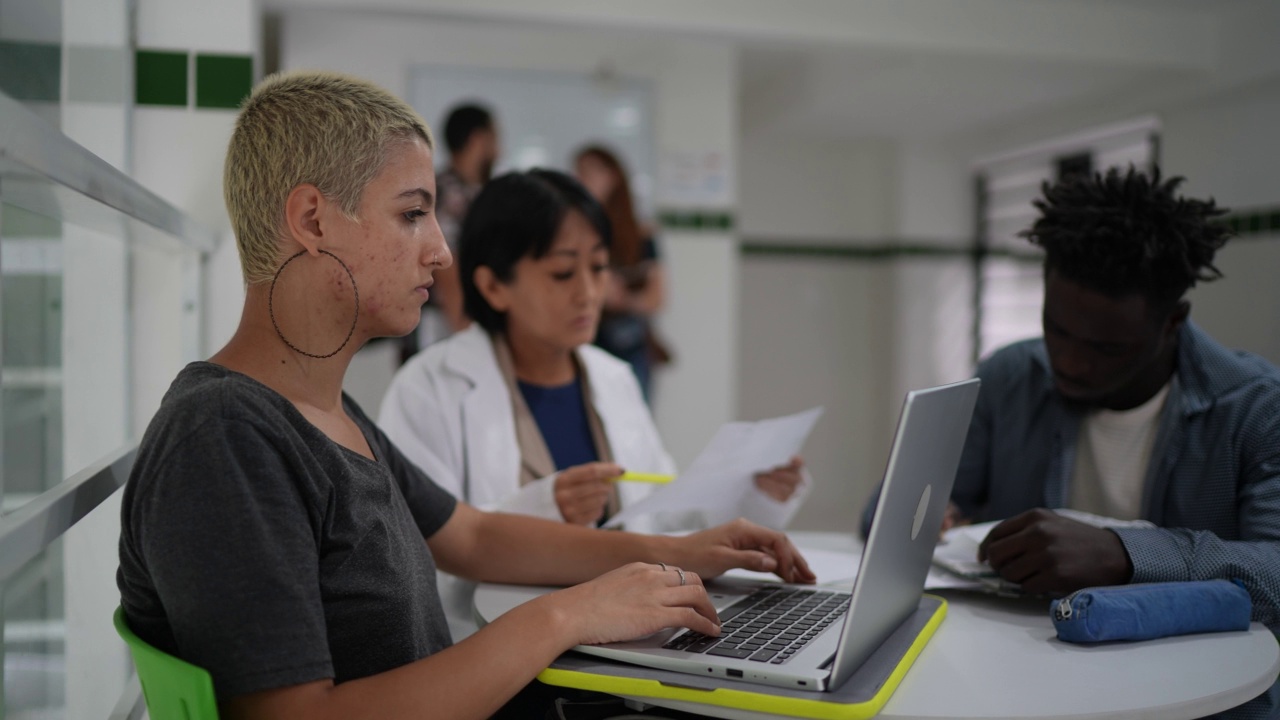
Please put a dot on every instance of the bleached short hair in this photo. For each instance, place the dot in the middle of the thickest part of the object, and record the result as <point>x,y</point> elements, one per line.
<point>327,129</point>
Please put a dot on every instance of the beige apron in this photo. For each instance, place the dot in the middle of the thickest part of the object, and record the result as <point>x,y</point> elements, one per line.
<point>535,458</point>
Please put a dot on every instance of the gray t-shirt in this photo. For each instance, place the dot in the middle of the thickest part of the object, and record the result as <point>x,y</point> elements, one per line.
<point>254,546</point>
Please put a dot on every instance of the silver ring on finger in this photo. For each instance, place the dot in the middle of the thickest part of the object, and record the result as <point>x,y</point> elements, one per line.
<point>663,566</point>
<point>681,574</point>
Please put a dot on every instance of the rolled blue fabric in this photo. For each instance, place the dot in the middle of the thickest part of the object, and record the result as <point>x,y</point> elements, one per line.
<point>1151,610</point>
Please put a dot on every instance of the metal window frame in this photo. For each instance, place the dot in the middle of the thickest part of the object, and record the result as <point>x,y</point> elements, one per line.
<point>32,149</point>
<point>27,531</point>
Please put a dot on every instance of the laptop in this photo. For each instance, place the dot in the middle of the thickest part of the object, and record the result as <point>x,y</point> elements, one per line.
<point>812,638</point>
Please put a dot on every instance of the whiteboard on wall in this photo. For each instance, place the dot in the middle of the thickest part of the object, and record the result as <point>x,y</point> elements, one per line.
<point>545,116</point>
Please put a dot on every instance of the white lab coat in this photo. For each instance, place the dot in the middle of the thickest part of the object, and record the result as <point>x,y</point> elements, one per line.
<point>449,411</point>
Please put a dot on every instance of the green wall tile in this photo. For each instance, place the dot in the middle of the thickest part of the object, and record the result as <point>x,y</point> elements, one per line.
<point>222,81</point>
<point>696,220</point>
<point>31,71</point>
<point>719,221</point>
<point>161,78</point>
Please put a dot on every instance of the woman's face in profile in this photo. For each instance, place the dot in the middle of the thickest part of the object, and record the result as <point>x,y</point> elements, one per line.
<point>397,244</point>
<point>555,300</point>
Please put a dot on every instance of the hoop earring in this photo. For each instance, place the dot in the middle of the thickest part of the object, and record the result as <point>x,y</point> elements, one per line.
<point>271,306</point>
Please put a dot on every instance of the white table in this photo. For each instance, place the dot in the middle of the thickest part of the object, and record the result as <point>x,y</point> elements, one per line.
<point>1000,658</point>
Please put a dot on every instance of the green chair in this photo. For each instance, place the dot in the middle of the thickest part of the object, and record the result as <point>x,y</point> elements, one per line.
<point>174,689</point>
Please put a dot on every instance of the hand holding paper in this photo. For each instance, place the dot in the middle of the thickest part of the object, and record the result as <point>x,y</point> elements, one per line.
<point>725,470</point>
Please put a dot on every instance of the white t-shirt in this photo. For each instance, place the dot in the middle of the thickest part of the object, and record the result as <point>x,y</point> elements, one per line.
<point>1113,451</point>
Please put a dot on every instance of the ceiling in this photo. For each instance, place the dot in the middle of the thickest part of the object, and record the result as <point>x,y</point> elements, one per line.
<point>855,90</point>
<point>923,68</point>
<point>849,94</point>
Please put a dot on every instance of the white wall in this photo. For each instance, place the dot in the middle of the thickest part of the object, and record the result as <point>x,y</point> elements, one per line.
<point>95,379</point>
<point>1226,147</point>
<point>800,189</point>
<point>816,330</point>
<point>852,333</point>
<point>694,87</point>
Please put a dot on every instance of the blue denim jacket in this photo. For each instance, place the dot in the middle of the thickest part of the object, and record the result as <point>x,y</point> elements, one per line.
<point>1212,486</point>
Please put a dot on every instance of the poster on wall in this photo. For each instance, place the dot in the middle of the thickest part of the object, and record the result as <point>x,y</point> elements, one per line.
<point>694,179</point>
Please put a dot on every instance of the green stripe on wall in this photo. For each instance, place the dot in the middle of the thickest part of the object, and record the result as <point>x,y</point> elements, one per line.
<point>1255,224</point>
<point>1258,221</point>
<point>31,71</point>
<point>715,220</point>
<point>160,78</point>
<point>223,81</point>
<point>876,252</point>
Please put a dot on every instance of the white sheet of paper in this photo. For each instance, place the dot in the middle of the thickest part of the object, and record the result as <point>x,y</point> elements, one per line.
<point>722,473</point>
<point>958,550</point>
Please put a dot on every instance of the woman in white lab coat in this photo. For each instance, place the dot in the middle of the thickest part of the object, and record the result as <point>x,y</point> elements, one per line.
<point>520,412</point>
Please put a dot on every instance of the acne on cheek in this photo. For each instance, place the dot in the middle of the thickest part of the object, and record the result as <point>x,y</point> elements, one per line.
<point>340,282</point>
<point>371,303</point>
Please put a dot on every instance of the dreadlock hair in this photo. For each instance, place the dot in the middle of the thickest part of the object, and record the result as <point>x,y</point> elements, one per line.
<point>1120,234</point>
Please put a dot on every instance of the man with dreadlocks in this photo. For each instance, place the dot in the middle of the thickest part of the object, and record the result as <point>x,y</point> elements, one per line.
<point>1126,409</point>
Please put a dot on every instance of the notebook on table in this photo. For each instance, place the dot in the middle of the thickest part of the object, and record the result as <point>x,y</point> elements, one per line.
<point>809,638</point>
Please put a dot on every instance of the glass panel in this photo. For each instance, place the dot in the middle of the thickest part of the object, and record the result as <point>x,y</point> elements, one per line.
<point>65,378</point>
<point>31,355</point>
<point>34,640</point>
<point>85,288</point>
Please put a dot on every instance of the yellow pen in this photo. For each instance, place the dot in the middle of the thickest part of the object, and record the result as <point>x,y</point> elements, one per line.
<point>645,478</point>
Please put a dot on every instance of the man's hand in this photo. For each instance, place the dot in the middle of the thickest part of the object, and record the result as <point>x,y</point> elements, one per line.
<point>781,482</point>
<point>1045,552</point>
<point>741,544</point>
<point>582,491</point>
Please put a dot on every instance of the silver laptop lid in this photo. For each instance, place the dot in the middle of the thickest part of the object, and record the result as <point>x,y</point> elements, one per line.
<point>904,529</point>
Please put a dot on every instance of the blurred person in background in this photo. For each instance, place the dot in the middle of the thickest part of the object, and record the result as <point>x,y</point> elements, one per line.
<point>636,290</point>
<point>471,136</point>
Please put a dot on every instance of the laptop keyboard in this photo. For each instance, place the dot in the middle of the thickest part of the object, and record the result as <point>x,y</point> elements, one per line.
<point>769,625</point>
